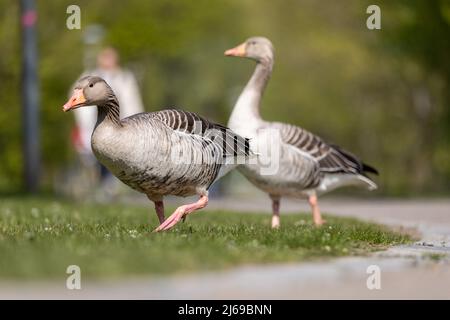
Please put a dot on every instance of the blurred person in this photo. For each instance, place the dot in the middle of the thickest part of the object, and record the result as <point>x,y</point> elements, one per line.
<point>125,86</point>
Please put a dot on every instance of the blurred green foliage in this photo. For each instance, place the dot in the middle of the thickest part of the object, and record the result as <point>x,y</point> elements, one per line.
<point>382,94</point>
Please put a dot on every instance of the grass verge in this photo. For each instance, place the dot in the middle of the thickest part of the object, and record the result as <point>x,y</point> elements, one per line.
<point>39,238</point>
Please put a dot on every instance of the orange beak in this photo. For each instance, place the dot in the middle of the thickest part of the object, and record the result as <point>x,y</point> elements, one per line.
<point>75,100</point>
<point>238,51</point>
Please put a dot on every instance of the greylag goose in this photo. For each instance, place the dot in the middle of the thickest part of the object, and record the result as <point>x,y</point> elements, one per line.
<point>307,165</point>
<point>170,152</point>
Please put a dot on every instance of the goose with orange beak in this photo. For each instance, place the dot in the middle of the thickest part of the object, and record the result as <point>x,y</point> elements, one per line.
<point>307,166</point>
<point>169,152</point>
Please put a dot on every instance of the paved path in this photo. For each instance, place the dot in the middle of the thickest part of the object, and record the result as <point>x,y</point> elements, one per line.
<point>409,272</point>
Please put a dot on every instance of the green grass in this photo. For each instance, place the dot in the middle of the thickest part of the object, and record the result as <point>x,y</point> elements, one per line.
<point>436,257</point>
<point>39,238</point>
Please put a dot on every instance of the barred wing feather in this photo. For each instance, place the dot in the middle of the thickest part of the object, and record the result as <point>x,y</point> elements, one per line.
<point>330,158</point>
<point>213,135</point>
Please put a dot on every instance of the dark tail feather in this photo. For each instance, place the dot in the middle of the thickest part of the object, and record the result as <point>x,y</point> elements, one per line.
<point>367,168</point>
<point>354,159</point>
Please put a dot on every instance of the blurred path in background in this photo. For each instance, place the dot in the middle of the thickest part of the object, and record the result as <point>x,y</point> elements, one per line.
<point>427,216</point>
<point>417,271</point>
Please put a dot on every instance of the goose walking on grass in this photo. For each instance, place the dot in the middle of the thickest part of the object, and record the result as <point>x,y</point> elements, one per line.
<point>170,152</point>
<point>307,165</point>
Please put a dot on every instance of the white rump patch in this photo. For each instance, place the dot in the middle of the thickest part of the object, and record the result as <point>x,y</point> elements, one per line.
<point>333,181</point>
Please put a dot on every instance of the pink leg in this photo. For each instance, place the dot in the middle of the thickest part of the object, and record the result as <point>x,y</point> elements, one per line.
<point>159,208</point>
<point>317,218</point>
<point>181,212</point>
<point>275,212</point>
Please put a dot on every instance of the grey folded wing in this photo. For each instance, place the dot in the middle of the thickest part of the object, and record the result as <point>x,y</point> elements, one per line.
<point>329,157</point>
<point>213,136</point>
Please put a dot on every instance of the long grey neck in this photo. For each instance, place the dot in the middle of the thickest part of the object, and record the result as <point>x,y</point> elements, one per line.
<point>109,111</point>
<point>247,105</point>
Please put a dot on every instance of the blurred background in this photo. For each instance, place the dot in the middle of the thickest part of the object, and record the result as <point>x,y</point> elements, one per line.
<point>382,94</point>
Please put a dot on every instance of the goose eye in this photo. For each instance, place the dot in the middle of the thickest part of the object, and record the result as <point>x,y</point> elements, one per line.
<point>91,85</point>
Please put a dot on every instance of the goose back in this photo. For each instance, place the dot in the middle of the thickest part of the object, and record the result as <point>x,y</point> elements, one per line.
<point>306,163</point>
<point>331,158</point>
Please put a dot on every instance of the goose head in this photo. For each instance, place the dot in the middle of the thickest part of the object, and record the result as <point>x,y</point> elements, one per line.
<point>259,49</point>
<point>89,91</point>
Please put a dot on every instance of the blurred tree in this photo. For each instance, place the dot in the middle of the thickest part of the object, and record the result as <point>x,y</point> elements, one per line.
<point>419,39</point>
<point>383,94</point>
<point>10,133</point>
